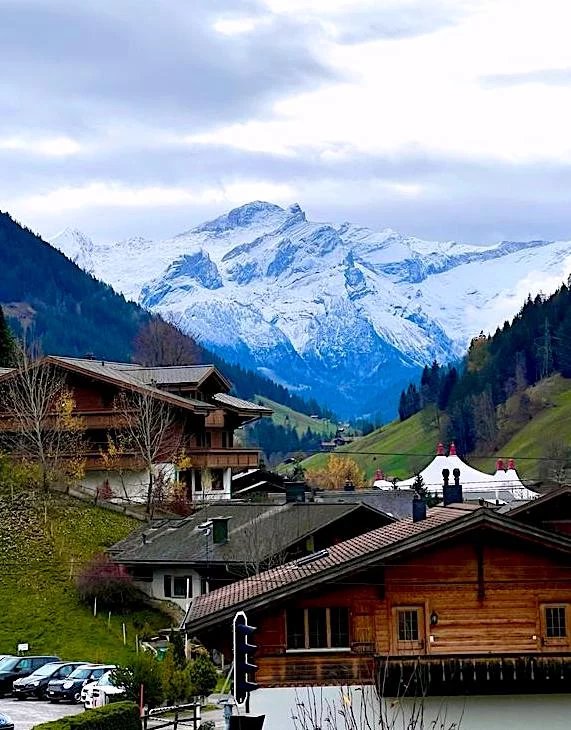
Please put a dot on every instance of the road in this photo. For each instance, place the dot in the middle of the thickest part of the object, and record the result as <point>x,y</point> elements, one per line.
<point>25,714</point>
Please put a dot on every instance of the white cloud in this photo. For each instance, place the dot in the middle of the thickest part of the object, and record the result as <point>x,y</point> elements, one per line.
<point>46,146</point>
<point>115,195</point>
<point>425,93</point>
<point>238,25</point>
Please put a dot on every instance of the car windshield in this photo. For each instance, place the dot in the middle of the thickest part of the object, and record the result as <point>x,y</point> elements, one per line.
<point>9,663</point>
<point>105,680</point>
<point>81,673</point>
<point>46,670</point>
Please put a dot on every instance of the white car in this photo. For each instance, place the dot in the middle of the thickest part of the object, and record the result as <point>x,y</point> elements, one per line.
<point>101,691</point>
<point>87,689</point>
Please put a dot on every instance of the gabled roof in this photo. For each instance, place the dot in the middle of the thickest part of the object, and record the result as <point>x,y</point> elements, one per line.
<point>355,555</point>
<point>109,372</point>
<point>177,374</point>
<point>263,529</point>
<point>243,407</point>
<point>543,501</point>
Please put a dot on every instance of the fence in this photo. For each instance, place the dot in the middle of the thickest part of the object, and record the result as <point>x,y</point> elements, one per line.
<point>178,717</point>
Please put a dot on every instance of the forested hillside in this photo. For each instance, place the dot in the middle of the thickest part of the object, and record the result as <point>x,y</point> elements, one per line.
<point>481,404</point>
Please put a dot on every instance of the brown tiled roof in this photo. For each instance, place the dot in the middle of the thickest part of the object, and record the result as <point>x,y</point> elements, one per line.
<point>358,553</point>
<point>349,553</point>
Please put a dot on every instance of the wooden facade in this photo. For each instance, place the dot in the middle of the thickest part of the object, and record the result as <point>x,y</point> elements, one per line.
<point>483,611</point>
<point>203,429</point>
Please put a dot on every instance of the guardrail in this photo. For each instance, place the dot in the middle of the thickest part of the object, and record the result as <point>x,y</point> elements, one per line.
<point>183,716</point>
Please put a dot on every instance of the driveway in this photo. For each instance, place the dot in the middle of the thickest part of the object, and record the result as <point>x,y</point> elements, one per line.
<point>25,714</point>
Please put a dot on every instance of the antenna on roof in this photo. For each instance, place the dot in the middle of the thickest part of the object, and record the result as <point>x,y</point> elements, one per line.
<point>311,558</point>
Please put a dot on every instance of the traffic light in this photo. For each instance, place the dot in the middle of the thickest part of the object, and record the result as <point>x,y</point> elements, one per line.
<point>244,668</point>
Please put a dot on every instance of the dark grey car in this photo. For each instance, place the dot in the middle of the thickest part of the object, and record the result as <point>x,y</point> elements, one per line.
<point>36,684</point>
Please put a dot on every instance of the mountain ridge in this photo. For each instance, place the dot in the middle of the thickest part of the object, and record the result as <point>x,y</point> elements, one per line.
<point>336,311</point>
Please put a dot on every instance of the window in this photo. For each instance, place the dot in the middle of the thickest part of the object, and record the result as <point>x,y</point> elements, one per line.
<point>227,439</point>
<point>555,625</point>
<point>176,586</point>
<point>180,586</point>
<point>217,479</point>
<point>408,625</point>
<point>204,440</point>
<point>317,628</point>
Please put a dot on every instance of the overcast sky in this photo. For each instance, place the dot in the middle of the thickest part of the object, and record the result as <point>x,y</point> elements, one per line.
<point>446,119</point>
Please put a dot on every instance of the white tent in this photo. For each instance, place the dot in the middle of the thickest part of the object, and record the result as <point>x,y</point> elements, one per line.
<point>472,480</point>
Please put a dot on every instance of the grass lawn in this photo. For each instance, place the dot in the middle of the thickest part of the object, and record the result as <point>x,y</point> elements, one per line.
<point>282,415</point>
<point>43,542</point>
<point>399,449</point>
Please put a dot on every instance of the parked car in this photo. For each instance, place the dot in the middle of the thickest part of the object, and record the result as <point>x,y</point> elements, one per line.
<point>88,687</point>
<point>69,689</point>
<point>20,666</point>
<point>103,692</point>
<point>6,723</point>
<point>36,684</point>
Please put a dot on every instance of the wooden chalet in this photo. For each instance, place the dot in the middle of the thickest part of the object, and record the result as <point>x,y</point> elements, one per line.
<point>177,560</point>
<point>457,599</point>
<point>206,419</point>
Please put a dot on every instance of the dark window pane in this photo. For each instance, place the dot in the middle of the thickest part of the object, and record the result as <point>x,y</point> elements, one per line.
<point>167,586</point>
<point>408,625</point>
<point>317,620</point>
<point>339,618</point>
<point>555,622</point>
<point>295,628</point>
<point>180,587</point>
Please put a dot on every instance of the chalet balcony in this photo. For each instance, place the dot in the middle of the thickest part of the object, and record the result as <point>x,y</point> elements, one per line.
<point>220,458</point>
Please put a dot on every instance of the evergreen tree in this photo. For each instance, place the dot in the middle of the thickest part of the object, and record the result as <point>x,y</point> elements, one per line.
<point>7,343</point>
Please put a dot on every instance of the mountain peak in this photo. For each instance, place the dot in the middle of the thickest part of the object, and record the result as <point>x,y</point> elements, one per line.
<point>240,217</point>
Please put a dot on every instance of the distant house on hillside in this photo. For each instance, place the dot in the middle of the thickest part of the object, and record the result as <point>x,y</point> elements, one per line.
<point>177,560</point>
<point>204,418</point>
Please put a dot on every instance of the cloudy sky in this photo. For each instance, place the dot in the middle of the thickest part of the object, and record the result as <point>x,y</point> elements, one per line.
<point>440,118</point>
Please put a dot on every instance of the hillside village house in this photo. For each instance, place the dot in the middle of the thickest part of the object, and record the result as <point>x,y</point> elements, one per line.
<point>177,560</point>
<point>475,600</point>
<point>205,419</point>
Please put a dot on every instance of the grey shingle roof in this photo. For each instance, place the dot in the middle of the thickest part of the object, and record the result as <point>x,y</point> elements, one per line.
<point>240,404</point>
<point>122,374</point>
<point>263,529</point>
<point>184,374</point>
<point>396,502</point>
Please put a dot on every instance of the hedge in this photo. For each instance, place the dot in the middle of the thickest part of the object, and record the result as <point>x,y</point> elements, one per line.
<point>124,715</point>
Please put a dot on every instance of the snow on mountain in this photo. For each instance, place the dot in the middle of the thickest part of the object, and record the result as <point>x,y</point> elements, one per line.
<point>341,313</point>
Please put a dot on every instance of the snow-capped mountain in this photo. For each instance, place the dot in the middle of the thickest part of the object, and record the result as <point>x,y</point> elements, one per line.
<point>341,313</point>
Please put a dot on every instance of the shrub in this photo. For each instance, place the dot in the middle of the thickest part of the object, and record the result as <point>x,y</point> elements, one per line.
<point>177,687</point>
<point>143,670</point>
<point>110,583</point>
<point>203,675</point>
<point>124,715</point>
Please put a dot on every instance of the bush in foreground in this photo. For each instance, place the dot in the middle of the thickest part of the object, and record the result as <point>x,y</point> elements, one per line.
<point>123,715</point>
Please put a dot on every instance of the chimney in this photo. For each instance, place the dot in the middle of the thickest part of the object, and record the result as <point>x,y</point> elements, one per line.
<point>500,465</point>
<point>418,508</point>
<point>349,486</point>
<point>440,450</point>
<point>220,530</point>
<point>511,464</point>
<point>379,475</point>
<point>451,493</point>
<point>295,491</point>
<point>452,451</point>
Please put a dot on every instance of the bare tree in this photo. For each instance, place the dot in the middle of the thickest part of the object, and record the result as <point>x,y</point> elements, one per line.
<point>151,430</point>
<point>162,343</point>
<point>41,426</point>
